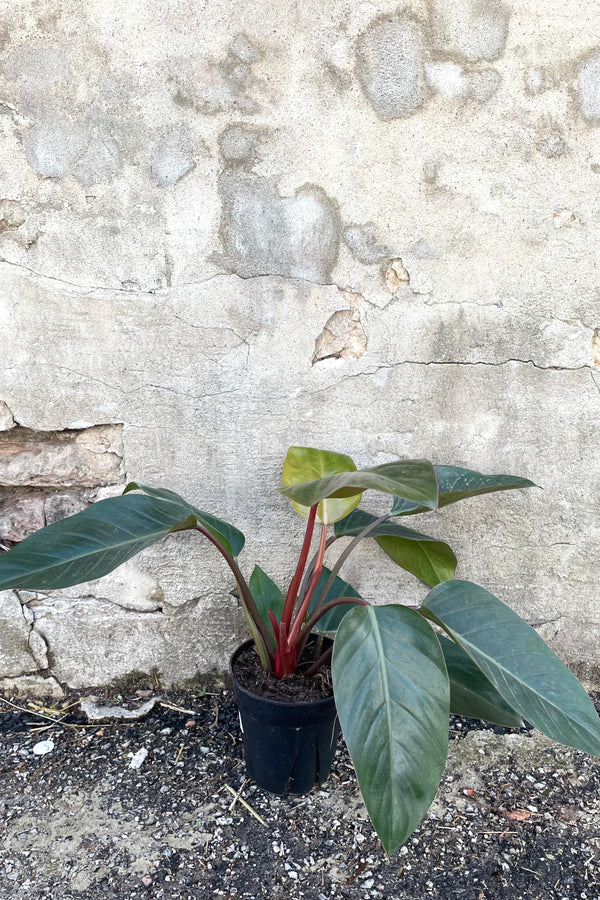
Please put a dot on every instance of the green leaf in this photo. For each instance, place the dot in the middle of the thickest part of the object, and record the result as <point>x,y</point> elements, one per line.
<point>89,544</point>
<point>517,662</point>
<point>303,464</point>
<point>340,588</point>
<point>413,478</point>
<point>266,595</point>
<point>432,561</point>
<point>457,484</point>
<point>471,694</point>
<point>230,538</point>
<point>392,695</point>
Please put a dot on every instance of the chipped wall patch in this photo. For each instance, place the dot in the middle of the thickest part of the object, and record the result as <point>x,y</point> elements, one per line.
<point>342,337</point>
<point>396,275</point>
<point>596,347</point>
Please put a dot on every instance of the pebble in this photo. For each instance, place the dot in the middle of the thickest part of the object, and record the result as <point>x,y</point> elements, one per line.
<point>43,747</point>
<point>138,758</point>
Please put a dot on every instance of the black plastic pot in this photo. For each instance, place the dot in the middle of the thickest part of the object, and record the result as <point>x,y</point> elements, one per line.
<point>288,747</point>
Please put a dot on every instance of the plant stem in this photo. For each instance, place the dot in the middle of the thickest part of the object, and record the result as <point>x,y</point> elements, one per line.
<point>246,596</point>
<point>311,567</point>
<point>358,601</point>
<point>303,609</point>
<point>312,670</point>
<point>344,556</point>
<point>292,593</point>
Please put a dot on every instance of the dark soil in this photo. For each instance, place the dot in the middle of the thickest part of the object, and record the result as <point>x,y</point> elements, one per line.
<point>517,817</point>
<point>252,676</point>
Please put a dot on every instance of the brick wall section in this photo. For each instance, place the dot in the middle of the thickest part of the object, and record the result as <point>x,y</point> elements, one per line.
<point>45,476</point>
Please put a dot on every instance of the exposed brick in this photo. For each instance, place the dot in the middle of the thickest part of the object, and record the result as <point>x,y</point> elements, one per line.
<point>59,506</point>
<point>20,516</point>
<point>88,458</point>
<point>6,419</point>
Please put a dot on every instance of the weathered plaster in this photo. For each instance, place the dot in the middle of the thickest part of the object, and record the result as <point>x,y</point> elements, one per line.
<point>367,227</point>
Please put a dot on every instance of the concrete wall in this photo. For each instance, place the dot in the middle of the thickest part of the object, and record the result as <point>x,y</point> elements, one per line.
<point>226,227</point>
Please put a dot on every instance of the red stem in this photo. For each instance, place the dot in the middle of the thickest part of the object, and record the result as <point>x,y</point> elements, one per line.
<point>285,658</point>
<point>274,623</point>
<point>303,609</point>
<point>292,593</point>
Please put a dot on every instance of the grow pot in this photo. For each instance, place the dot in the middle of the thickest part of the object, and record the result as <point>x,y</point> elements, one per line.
<point>288,747</point>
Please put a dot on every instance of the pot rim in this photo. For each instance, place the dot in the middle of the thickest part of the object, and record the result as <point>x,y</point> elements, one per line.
<point>301,704</point>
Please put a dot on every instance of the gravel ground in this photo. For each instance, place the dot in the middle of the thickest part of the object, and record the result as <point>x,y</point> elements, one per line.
<point>516,816</point>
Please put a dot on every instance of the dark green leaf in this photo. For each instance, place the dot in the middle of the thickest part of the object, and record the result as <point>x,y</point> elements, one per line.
<point>432,561</point>
<point>457,484</point>
<point>429,559</point>
<point>89,544</point>
<point>518,663</point>
<point>414,479</point>
<point>266,595</point>
<point>339,588</point>
<point>471,694</point>
<point>358,520</point>
<point>392,695</point>
<point>227,535</point>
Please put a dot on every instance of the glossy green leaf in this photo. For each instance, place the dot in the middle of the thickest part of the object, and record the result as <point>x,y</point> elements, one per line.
<point>303,464</point>
<point>228,536</point>
<point>266,595</point>
<point>457,484</point>
<point>471,693</point>
<point>392,696</point>
<point>517,662</point>
<point>413,478</point>
<point>91,543</point>
<point>432,561</point>
<point>340,588</point>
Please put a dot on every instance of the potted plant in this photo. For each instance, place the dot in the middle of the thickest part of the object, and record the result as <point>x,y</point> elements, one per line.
<point>397,671</point>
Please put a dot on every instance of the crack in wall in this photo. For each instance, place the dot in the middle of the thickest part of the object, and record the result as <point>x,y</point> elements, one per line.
<point>113,387</point>
<point>195,397</point>
<point>412,362</point>
<point>39,653</point>
<point>87,289</point>
<point>84,288</point>
<point>589,623</point>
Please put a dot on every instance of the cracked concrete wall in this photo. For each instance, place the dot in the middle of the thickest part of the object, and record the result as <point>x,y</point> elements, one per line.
<point>225,229</point>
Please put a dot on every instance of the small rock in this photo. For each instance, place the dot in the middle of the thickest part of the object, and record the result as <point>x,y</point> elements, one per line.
<point>138,758</point>
<point>43,747</point>
<point>95,712</point>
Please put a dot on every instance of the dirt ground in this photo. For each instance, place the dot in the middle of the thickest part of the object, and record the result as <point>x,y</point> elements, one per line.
<point>516,816</point>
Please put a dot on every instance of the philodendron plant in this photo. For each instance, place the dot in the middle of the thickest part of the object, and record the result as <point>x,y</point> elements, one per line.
<point>397,671</point>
